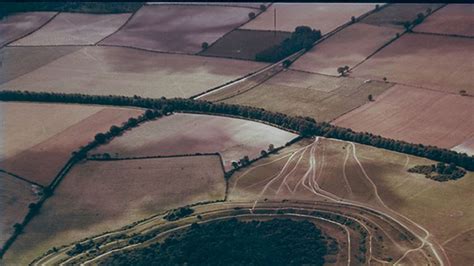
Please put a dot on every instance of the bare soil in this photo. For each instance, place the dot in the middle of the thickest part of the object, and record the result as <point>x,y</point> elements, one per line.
<point>454,19</point>
<point>18,25</point>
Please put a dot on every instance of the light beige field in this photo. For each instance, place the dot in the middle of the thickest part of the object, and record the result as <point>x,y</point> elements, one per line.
<point>128,72</point>
<point>437,62</point>
<point>452,19</point>
<point>321,16</point>
<point>100,196</point>
<point>332,170</point>
<point>75,29</point>
<point>348,47</point>
<point>15,196</point>
<point>190,133</point>
<point>415,115</point>
<point>298,93</point>
<point>18,61</point>
<point>18,25</point>
<point>24,125</point>
<point>466,147</point>
<point>43,157</point>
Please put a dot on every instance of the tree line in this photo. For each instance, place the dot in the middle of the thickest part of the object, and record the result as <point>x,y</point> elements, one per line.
<point>305,126</point>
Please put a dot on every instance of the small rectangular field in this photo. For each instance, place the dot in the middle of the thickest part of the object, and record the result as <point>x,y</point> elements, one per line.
<point>99,196</point>
<point>18,25</point>
<point>348,47</point>
<point>454,19</point>
<point>129,72</point>
<point>321,16</point>
<point>436,62</point>
<point>417,116</point>
<point>15,196</point>
<point>299,93</point>
<point>245,44</point>
<point>178,28</point>
<point>394,15</point>
<point>52,135</point>
<point>190,133</point>
<point>74,29</point>
<point>18,61</point>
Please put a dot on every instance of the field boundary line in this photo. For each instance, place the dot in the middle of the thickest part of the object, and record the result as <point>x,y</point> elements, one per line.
<point>153,157</point>
<point>443,34</point>
<point>28,34</point>
<point>219,4</point>
<point>121,27</point>
<point>21,178</point>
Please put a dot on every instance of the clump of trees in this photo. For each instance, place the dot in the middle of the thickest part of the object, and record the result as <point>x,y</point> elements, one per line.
<point>204,45</point>
<point>343,70</point>
<point>302,38</point>
<point>305,126</point>
<point>251,15</point>
<point>179,213</point>
<point>440,172</point>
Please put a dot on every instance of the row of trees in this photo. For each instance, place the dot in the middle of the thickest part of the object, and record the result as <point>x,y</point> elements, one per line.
<point>305,126</point>
<point>302,38</point>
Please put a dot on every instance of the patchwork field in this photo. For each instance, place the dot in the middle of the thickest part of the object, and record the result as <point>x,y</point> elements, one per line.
<point>394,15</point>
<point>454,19</point>
<point>18,25</point>
<point>128,72</point>
<point>48,144</point>
<point>75,29</point>
<point>100,196</point>
<point>336,170</point>
<point>321,97</point>
<point>189,133</point>
<point>236,4</point>
<point>348,47</point>
<point>178,28</point>
<point>437,62</point>
<point>15,196</point>
<point>322,16</point>
<point>417,116</point>
<point>245,44</point>
<point>22,60</point>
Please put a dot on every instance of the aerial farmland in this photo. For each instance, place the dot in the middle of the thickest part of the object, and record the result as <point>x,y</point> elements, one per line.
<point>147,133</point>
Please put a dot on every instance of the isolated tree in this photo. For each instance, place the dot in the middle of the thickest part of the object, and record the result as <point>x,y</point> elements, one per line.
<point>263,153</point>
<point>235,164</point>
<point>114,130</point>
<point>204,45</point>
<point>100,138</point>
<point>377,7</point>
<point>463,92</point>
<point>343,70</point>
<point>428,11</point>
<point>271,148</point>
<point>263,7</point>
<point>353,19</point>
<point>286,63</point>
<point>407,25</point>
<point>385,79</point>
<point>251,15</point>
<point>370,97</point>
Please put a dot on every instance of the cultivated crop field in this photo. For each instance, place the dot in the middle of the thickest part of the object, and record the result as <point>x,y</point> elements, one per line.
<point>321,97</point>
<point>233,4</point>
<point>38,153</point>
<point>415,115</point>
<point>75,29</point>
<point>190,133</point>
<point>348,47</point>
<point>125,71</point>
<point>321,16</point>
<point>245,44</point>
<point>19,25</point>
<point>455,19</point>
<point>97,196</point>
<point>15,196</point>
<point>178,28</point>
<point>436,62</point>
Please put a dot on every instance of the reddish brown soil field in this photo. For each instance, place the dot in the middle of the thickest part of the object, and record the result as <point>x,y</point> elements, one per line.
<point>231,4</point>
<point>16,26</point>
<point>188,134</point>
<point>415,115</point>
<point>75,29</point>
<point>395,15</point>
<point>348,47</point>
<point>42,162</point>
<point>466,147</point>
<point>15,196</point>
<point>245,44</point>
<point>454,19</point>
<point>129,72</point>
<point>322,16</point>
<point>100,196</point>
<point>18,61</point>
<point>436,62</point>
<point>178,28</point>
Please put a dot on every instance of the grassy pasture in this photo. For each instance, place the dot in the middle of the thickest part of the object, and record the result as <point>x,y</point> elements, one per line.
<point>128,72</point>
<point>454,19</point>
<point>321,97</point>
<point>435,62</point>
<point>188,134</point>
<point>244,44</point>
<point>99,196</point>
<point>75,29</point>
<point>17,25</point>
<point>415,115</point>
